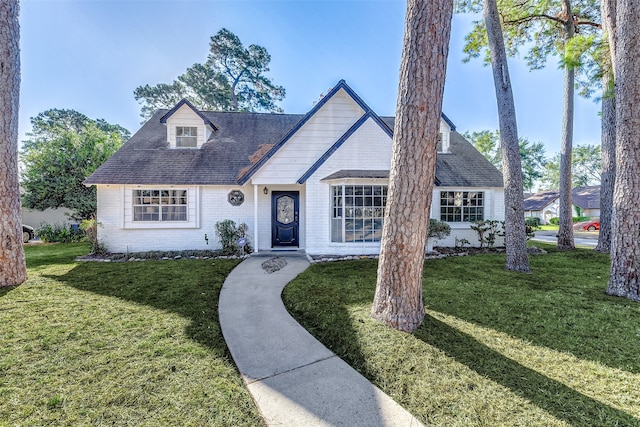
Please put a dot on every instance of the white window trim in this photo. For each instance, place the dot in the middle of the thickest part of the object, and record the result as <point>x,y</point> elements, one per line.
<point>193,206</point>
<point>194,137</point>
<point>343,217</point>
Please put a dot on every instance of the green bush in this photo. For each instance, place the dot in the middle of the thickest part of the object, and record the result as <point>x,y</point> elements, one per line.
<point>581,218</point>
<point>533,221</point>
<point>555,220</point>
<point>228,234</point>
<point>438,230</point>
<point>59,233</point>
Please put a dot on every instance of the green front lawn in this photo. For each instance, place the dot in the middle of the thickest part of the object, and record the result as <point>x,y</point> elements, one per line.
<point>117,344</point>
<point>496,348</point>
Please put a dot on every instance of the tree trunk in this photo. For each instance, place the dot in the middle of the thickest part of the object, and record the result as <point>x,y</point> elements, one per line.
<point>515,230</point>
<point>608,138</point>
<point>565,232</point>
<point>625,244</point>
<point>398,298</point>
<point>12,264</point>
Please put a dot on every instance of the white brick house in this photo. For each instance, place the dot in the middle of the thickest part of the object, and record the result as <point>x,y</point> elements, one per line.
<point>315,182</point>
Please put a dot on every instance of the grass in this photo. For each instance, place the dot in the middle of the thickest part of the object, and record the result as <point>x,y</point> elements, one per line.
<point>117,344</point>
<point>496,348</point>
<point>548,227</point>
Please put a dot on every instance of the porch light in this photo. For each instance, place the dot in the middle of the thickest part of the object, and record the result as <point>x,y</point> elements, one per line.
<point>265,190</point>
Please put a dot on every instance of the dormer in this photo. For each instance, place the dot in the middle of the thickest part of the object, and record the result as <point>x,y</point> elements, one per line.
<point>444,136</point>
<point>186,126</point>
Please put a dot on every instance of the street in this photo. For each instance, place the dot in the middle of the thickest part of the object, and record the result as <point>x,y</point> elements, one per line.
<point>580,238</point>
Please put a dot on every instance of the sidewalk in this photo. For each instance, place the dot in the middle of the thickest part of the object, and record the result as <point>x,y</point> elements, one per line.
<point>294,379</point>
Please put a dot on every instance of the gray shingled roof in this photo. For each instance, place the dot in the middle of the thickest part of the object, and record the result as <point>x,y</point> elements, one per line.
<point>586,197</point>
<point>146,158</point>
<point>538,201</point>
<point>583,197</point>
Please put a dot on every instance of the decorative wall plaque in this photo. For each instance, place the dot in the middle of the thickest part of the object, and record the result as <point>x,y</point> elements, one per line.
<point>236,198</point>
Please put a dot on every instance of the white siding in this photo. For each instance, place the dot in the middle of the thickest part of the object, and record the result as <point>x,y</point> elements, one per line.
<point>209,207</point>
<point>311,141</point>
<point>185,116</point>
<point>369,148</point>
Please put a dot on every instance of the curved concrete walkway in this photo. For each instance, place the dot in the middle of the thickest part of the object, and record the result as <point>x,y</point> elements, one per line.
<point>294,379</point>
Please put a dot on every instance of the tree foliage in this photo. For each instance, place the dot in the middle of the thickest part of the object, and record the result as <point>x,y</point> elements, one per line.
<point>64,148</point>
<point>586,164</point>
<point>539,27</point>
<point>532,154</point>
<point>232,79</point>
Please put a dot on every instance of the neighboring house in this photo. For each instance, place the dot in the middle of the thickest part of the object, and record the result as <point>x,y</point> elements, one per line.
<point>587,199</point>
<point>314,182</point>
<point>545,204</point>
<point>35,218</point>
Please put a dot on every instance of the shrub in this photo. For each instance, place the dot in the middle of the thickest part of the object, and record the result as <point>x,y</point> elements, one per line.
<point>438,230</point>
<point>228,234</point>
<point>555,220</point>
<point>59,233</point>
<point>581,218</point>
<point>488,230</point>
<point>533,221</point>
<point>90,229</point>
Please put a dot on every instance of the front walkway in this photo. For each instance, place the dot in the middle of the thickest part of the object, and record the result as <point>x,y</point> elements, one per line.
<point>294,379</point>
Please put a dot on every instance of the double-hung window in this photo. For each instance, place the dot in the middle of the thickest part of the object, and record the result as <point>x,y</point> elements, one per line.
<point>186,136</point>
<point>357,212</point>
<point>160,205</point>
<point>461,206</point>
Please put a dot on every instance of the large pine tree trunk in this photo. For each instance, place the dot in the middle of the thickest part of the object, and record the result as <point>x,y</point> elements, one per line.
<point>515,233</point>
<point>625,244</point>
<point>565,232</point>
<point>608,137</point>
<point>398,298</point>
<point>12,265</point>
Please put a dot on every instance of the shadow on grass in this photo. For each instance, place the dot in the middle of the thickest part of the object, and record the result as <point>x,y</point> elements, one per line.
<point>188,288</point>
<point>562,305</point>
<point>554,397</point>
<point>322,297</point>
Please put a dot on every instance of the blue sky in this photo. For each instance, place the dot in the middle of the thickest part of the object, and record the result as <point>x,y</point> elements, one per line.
<point>90,55</point>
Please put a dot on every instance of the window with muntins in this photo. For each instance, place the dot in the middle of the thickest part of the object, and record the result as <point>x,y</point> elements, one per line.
<point>160,205</point>
<point>357,212</point>
<point>186,136</point>
<point>461,206</point>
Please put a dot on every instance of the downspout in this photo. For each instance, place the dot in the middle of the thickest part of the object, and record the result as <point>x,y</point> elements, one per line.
<point>255,218</point>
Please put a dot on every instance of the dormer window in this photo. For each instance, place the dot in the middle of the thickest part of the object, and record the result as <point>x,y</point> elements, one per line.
<point>186,136</point>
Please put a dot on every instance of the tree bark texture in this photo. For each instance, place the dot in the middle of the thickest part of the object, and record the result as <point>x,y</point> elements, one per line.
<point>608,143</point>
<point>398,298</point>
<point>608,13</point>
<point>565,232</point>
<point>515,229</point>
<point>12,263</point>
<point>625,244</point>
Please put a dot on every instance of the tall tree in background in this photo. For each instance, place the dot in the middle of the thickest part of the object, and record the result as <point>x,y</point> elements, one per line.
<point>515,230</point>
<point>532,154</point>
<point>232,79</point>
<point>549,28</point>
<point>398,297</point>
<point>63,148</point>
<point>12,263</point>
<point>608,137</point>
<point>586,167</point>
<point>625,244</point>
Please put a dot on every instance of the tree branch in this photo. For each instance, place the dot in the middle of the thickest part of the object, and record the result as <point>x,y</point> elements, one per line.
<point>534,17</point>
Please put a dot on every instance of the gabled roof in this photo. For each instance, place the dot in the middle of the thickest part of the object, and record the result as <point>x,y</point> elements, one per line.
<point>583,197</point>
<point>342,85</point>
<point>368,115</point>
<point>182,102</point>
<point>540,200</point>
<point>586,197</point>
<point>229,156</point>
